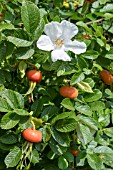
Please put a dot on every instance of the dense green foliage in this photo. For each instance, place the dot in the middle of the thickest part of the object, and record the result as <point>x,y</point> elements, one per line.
<point>84,123</point>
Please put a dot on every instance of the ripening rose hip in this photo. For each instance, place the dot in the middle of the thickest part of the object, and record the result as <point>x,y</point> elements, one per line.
<point>107,77</point>
<point>68,92</point>
<point>34,75</point>
<point>75,152</point>
<point>31,135</point>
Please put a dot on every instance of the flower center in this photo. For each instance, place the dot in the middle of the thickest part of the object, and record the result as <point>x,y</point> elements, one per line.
<point>59,42</point>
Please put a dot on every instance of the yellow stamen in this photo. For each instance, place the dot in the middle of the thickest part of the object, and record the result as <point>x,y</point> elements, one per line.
<point>59,42</point>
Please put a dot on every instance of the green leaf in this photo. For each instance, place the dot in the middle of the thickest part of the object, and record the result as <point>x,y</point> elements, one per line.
<point>37,121</point>
<point>88,121</point>
<point>2,78</point>
<point>76,78</point>
<point>19,42</point>
<point>90,55</point>
<point>6,50</point>
<point>65,69</point>
<point>7,75</point>
<point>103,1</point>
<point>35,156</point>
<point>82,63</point>
<point>37,106</point>
<point>109,54</point>
<point>21,112</point>
<point>58,3</point>
<point>62,163</point>
<point>2,52</point>
<point>63,116</point>
<point>85,87</point>
<point>84,25</point>
<point>108,160</point>
<point>67,104</point>
<point>97,105</point>
<point>22,68</point>
<point>39,30</point>
<point>109,131</point>
<point>69,157</point>
<point>80,159</point>
<point>83,133</point>
<point>62,139</point>
<point>108,92</point>
<point>107,8</point>
<point>49,111</point>
<point>96,95</point>
<point>94,161</point>
<point>51,155</point>
<point>6,26</point>
<point>55,147</point>
<point>9,138</point>
<point>9,120</point>
<point>25,122</point>
<point>4,106</point>
<point>103,150</point>
<point>6,147</point>
<point>26,55</point>
<point>30,16</point>
<point>66,125</point>
<point>108,16</point>
<point>14,99</point>
<point>100,42</point>
<point>46,131</point>
<point>13,157</point>
<point>41,56</point>
<point>85,109</point>
<point>104,117</point>
<point>102,139</point>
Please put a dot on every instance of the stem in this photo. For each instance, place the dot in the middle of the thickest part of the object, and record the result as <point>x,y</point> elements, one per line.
<point>26,147</point>
<point>31,88</point>
<point>31,64</point>
<point>29,151</point>
<point>91,22</point>
<point>33,125</point>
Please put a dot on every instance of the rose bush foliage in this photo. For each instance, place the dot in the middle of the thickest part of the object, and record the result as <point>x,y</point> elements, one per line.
<point>84,123</point>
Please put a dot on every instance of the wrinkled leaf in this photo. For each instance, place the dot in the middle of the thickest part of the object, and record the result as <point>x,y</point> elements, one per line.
<point>13,157</point>
<point>19,42</point>
<point>67,104</point>
<point>30,16</point>
<point>9,120</point>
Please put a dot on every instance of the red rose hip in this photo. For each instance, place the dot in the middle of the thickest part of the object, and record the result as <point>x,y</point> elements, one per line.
<point>107,77</point>
<point>31,135</point>
<point>68,92</point>
<point>34,75</point>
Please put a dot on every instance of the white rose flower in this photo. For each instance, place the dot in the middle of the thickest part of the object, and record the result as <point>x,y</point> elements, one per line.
<point>58,40</point>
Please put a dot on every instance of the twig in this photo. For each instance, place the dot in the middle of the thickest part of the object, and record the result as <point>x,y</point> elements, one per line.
<point>95,21</point>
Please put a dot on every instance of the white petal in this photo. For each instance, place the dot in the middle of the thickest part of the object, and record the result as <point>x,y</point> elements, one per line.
<point>44,43</point>
<point>76,47</point>
<point>69,30</point>
<point>53,30</point>
<point>60,54</point>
